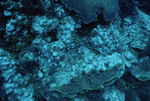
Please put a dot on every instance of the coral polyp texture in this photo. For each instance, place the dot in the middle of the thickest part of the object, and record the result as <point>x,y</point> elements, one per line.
<point>50,50</point>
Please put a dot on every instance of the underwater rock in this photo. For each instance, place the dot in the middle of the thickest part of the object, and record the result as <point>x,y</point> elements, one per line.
<point>89,10</point>
<point>113,94</point>
<point>82,74</point>
<point>127,8</point>
<point>144,5</point>
<point>141,71</point>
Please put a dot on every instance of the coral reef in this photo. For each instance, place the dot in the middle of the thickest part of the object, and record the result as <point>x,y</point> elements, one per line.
<point>48,54</point>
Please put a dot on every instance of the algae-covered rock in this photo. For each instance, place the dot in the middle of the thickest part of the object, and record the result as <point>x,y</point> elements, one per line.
<point>89,9</point>
<point>75,78</point>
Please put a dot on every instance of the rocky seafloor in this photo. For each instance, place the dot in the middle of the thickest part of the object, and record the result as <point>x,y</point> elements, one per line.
<point>75,50</point>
